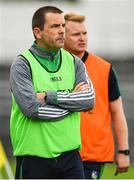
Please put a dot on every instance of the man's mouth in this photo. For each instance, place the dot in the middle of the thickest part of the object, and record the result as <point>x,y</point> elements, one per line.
<point>82,45</point>
<point>61,40</point>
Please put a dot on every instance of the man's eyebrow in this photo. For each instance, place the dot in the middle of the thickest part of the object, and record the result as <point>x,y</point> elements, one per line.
<point>76,33</point>
<point>54,25</point>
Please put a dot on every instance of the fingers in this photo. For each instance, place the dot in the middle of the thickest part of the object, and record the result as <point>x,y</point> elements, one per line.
<point>120,170</point>
<point>40,96</point>
<point>81,87</point>
<point>122,163</point>
<point>116,172</point>
<point>78,86</point>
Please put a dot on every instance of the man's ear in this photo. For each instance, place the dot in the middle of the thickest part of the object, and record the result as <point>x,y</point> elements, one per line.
<point>37,33</point>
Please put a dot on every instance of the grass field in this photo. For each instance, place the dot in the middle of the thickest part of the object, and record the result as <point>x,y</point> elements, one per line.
<point>108,173</point>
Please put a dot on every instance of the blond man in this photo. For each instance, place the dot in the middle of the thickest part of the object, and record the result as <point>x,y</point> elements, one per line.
<point>96,131</point>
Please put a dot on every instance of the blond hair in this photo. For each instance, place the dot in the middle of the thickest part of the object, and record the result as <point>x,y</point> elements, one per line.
<point>74,17</point>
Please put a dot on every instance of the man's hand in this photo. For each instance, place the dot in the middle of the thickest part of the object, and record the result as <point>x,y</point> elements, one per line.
<point>81,87</point>
<point>122,163</point>
<point>41,96</point>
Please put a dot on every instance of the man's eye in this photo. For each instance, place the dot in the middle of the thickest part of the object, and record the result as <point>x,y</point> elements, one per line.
<point>55,25</point>
<point>76,34</point>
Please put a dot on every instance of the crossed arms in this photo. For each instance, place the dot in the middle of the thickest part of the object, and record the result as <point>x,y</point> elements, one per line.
<point>56,105</point>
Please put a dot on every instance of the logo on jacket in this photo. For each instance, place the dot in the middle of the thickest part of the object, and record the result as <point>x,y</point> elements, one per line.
<point>56,79</point>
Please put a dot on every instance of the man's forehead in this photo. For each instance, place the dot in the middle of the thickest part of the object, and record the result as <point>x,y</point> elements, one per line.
<point>54,16</point>
<point>54,19</point>
<point>75,26</point>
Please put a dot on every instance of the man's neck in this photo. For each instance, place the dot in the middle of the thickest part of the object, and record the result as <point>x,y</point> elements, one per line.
<point>79,54</point>
<point>43,49</point>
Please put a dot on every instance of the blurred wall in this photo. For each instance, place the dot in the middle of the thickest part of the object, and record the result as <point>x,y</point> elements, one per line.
<point>110,25</point>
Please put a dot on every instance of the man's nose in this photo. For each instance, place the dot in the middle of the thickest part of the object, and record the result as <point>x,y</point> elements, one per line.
<point>61,29</point>
<point>82,37</point>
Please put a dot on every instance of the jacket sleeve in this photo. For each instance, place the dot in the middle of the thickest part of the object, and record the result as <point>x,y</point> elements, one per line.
<point>75,101</point>
<point>25,96</point>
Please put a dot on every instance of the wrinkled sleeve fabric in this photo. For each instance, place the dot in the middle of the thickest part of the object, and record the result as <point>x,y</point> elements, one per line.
<point>22,88</point>
<point>75,101</point>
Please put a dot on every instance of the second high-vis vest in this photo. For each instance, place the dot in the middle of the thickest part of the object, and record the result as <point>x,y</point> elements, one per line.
<point>96,132</point>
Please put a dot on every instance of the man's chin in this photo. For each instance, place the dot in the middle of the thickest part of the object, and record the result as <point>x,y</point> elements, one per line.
<point>82,49</point>
<point>61,45</point>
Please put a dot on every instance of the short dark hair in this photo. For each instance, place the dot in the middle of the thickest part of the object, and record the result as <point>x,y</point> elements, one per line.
<point>38,19</point>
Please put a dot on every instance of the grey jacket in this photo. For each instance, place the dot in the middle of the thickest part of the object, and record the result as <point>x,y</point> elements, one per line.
<point>57,104</point>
